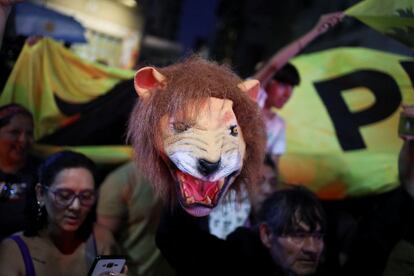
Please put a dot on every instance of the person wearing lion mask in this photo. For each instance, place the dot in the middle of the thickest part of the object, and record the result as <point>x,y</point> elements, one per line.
<point>197,134</point>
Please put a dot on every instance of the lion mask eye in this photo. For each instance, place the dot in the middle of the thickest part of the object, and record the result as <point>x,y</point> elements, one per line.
<point>180,127</point>
<point>234,131</point>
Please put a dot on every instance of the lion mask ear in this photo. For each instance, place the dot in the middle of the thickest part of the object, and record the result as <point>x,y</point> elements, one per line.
<point>251,87</point>
<point>147,80</point>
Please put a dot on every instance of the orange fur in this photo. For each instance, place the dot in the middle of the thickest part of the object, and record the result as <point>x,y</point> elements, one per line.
<point>191,82</point>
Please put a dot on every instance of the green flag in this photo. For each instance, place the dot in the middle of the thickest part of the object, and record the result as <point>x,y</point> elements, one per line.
<point>394,18</point>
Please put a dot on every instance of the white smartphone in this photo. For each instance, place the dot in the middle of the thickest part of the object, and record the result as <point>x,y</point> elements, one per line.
<point>104,264</point>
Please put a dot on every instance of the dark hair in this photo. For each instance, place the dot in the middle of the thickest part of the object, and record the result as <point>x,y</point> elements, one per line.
<point>288,74</point>
<point>48,170</point>
<point>284,209</point>
<point>7,112</point>
<point>60,161</point>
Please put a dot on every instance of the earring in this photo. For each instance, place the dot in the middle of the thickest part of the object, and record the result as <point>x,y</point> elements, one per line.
<point>39,209</point>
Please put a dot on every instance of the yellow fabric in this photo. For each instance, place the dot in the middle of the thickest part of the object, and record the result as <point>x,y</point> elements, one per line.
<point>46,70</point>
<point>314,155</point>
<point>99,154</point>
<point>391,17</point>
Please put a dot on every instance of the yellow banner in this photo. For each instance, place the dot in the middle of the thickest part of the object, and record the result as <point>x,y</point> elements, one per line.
<point>112,155</point>
<point>342,121</point>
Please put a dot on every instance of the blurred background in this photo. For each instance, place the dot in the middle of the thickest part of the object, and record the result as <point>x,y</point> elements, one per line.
<point>128,33</point>
<point>71,63</point>
<point>78,98</point>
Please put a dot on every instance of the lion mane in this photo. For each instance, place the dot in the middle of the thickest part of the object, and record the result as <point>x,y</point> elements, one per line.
<point>190,83</point>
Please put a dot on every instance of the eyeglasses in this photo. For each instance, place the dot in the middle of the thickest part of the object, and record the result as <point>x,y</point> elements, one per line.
<point>65,197</point>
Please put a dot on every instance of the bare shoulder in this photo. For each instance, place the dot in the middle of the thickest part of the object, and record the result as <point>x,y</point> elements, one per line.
<point>11,262</point>
<point>105,241</point>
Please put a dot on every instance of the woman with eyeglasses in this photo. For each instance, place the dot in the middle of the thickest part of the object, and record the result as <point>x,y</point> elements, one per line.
<point>61,237</point>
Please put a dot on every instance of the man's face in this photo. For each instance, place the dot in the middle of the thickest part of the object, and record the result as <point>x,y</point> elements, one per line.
<point>278,93</point>
<point>298,252</point>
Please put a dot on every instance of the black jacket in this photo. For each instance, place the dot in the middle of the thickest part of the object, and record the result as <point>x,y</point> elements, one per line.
<point>193,251</point>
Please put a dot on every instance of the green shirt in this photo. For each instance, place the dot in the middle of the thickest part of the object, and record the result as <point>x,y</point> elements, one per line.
<point>128,196</point>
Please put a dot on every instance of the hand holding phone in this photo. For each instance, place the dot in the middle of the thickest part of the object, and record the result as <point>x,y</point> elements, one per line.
<point>107,265</point>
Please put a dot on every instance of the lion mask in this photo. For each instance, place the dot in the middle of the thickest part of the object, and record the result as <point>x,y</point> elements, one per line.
<point>196,132</point>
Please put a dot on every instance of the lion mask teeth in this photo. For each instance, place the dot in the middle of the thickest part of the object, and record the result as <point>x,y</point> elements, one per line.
<point>195,190</point>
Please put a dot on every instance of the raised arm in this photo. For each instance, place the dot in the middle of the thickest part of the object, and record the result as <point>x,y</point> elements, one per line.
<point>279,59</point>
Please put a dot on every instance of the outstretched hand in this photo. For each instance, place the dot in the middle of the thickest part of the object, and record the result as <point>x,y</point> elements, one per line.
<point>328,21</point>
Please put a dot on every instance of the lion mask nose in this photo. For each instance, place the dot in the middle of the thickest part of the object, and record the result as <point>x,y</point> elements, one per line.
<point>206,167</point>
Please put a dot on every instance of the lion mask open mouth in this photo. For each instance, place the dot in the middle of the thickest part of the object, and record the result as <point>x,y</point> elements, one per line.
<point>205,151</point>
<point>198,196</point>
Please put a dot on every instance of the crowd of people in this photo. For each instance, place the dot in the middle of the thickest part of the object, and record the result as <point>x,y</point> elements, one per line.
<point>59,231</point>
<point>56,219</point>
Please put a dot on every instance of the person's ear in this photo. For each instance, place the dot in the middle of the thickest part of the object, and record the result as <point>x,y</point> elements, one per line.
<point>147,80</point>
<point>266,235</point>
<point>40,195</point>
<point>251,87</point>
